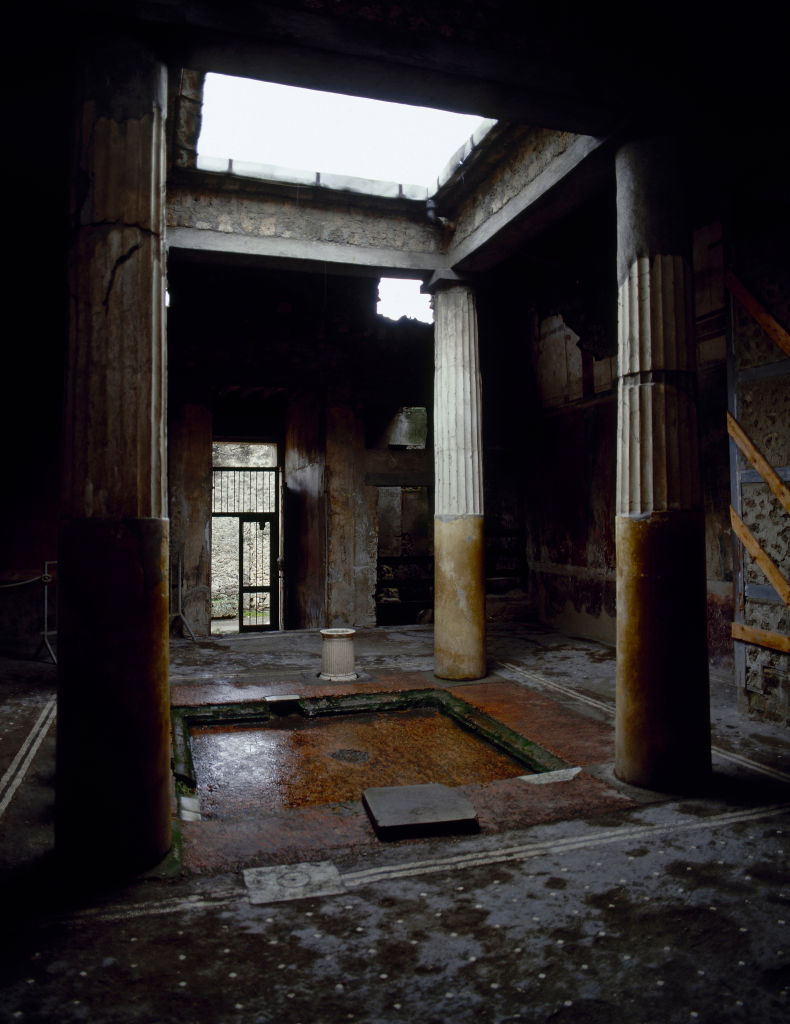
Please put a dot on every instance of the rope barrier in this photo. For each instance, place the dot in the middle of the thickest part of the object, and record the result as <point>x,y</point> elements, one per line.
<point>22,583</point>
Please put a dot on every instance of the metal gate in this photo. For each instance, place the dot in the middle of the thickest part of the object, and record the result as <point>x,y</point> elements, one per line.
<point>251,496</point>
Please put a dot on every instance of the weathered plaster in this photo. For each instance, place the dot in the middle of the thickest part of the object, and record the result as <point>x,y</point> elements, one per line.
<point>459,599</point>
<point>305,515</point>
<point>351,540</point>
<point>558,362</point>
<point>189,479</point>
<point>522,165</point>
<point>521,184</point>
<point>754,347</point>
<point>217,217</point>
<point>765,416</point>
<point>759,380</point>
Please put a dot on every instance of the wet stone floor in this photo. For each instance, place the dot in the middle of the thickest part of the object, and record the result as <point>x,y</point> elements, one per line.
<point>306,762</point>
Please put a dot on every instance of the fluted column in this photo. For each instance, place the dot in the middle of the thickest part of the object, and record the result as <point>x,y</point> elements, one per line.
<point>663,728</point>
<point>113,778</point>
<point>459,591</point>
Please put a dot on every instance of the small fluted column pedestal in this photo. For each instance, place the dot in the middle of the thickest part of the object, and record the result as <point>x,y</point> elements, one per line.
<point>337,654</point>
<point>459,584</point>
<point>662,716</point>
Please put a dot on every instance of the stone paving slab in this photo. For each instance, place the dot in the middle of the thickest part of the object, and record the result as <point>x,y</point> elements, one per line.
<point>317,833</point>
<point>515,804</point>
<point>401,812</point>
<point>292,882</point>
<point>237,690</point>
<point>284,837</point>
<point>573,737</point>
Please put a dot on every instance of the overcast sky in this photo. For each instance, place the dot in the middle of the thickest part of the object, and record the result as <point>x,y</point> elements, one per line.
<point>319,131</point>
<point>276,124</point>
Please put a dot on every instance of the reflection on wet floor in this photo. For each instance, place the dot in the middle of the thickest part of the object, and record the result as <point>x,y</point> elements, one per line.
<point>223,627</point>
<point>305,762</point>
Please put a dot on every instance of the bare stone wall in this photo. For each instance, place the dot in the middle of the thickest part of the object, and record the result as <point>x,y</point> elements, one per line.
<point>522,164</point>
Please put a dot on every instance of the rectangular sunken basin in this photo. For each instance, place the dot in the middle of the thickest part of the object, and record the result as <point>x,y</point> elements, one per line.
<point>245,759</point>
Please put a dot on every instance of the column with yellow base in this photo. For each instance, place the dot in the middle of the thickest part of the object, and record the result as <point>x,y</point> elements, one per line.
<point>459,597</point>
<point>663,719</point>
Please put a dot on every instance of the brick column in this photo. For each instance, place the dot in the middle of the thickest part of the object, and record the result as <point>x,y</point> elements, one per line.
<point>459,594</point>
<point>113,777</point>
<point>663,727</point>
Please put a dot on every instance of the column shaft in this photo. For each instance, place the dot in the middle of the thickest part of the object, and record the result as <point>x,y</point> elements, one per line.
<point>113,778</point>
<point>662,724</point>
<point>459,597</point>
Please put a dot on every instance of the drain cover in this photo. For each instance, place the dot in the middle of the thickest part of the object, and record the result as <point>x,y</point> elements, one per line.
<point>351,756</point>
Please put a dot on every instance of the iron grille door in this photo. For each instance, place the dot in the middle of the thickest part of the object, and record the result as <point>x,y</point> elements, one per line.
<point>258,582</point>
<point>251,498</point>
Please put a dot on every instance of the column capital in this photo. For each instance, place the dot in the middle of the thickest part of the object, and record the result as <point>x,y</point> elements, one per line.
<point>442,279</point>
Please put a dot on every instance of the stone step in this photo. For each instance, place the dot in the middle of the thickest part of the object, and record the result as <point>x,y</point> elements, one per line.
<point>407,812</point>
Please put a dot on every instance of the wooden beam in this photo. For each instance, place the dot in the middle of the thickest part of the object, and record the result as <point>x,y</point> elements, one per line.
<point>764,468</point>
<point>761,637</point>
<point>747,538</point>
<point>772,327</point>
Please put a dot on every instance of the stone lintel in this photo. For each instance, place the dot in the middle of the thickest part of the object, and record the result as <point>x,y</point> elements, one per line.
<point>306,251</point>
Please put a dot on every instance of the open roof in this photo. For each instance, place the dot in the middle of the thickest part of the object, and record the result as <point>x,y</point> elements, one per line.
<point>261,122</point>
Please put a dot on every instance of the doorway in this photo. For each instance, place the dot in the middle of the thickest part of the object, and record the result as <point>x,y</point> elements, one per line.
<point>246,538</point>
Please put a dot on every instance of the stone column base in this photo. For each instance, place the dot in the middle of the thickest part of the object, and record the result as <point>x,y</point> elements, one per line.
<point>459,598</point>
<point>663,714</point>
<point>113,807</point>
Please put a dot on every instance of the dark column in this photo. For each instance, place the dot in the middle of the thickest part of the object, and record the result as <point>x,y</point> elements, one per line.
<point>113,777</point>
<point>663,722</point>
